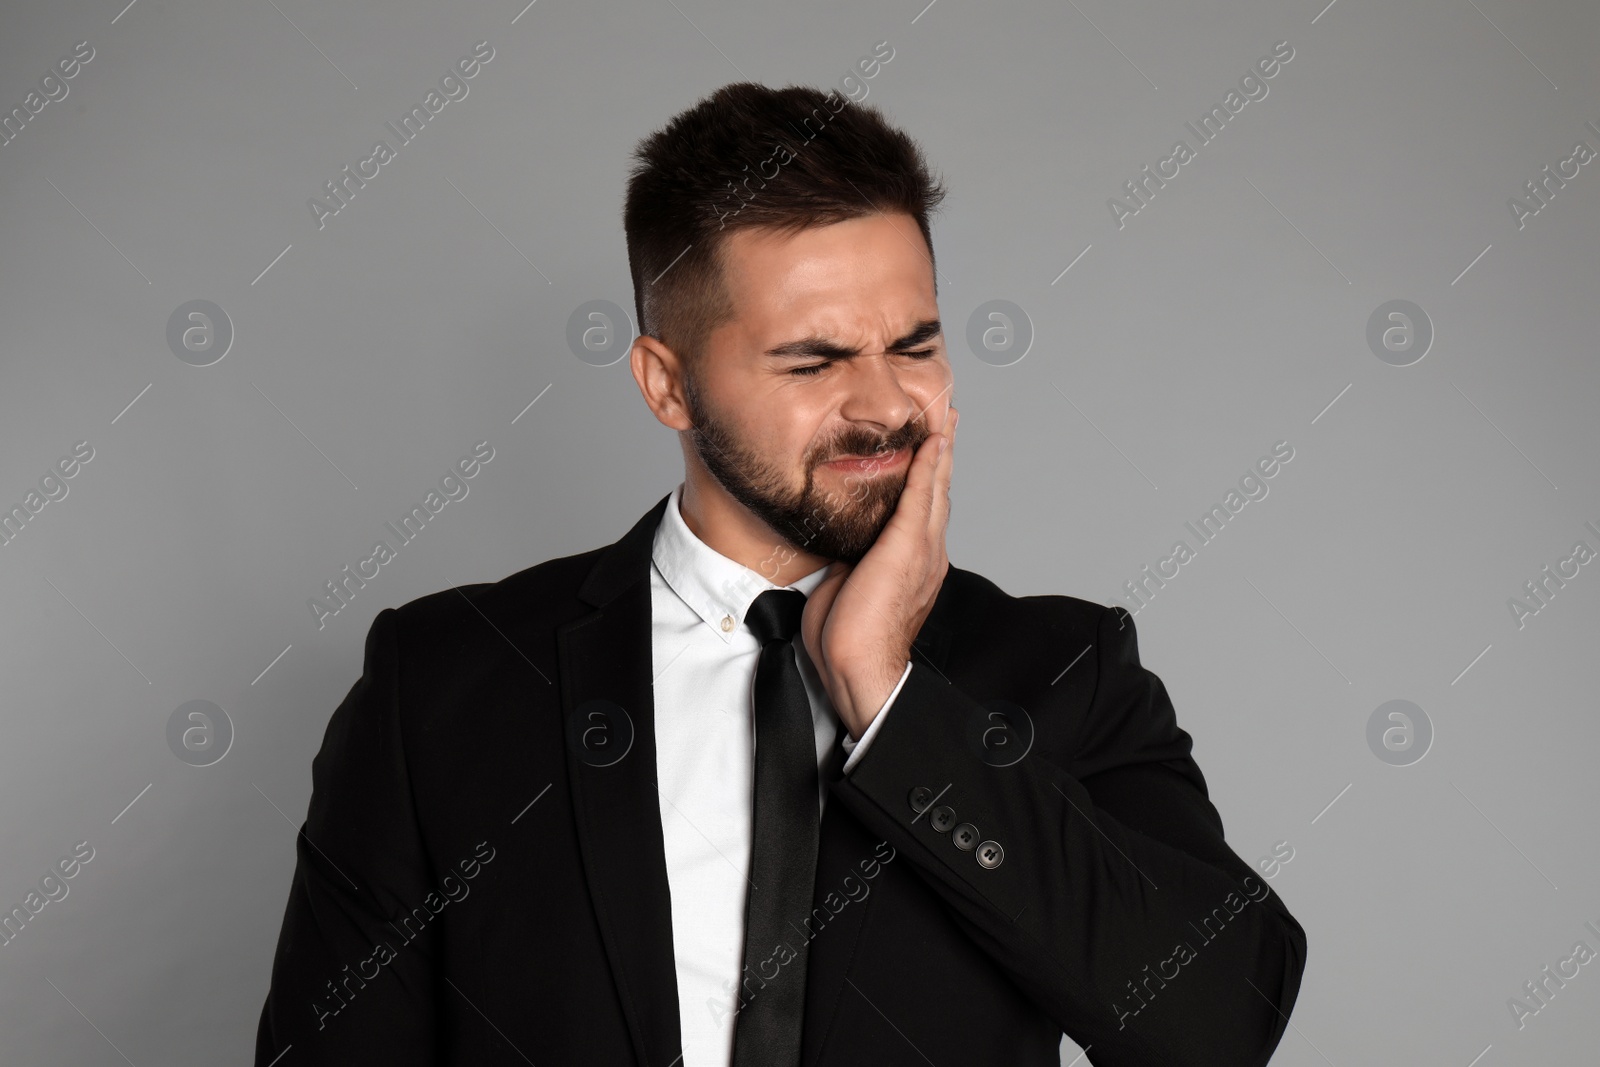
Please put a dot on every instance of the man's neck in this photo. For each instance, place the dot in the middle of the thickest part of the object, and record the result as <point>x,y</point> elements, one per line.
<point>728,527</point>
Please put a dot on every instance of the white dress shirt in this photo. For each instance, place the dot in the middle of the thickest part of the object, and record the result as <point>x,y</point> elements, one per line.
<point>704,665</point>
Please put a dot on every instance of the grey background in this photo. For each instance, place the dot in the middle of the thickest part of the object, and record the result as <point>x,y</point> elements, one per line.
<point>1226,316</point>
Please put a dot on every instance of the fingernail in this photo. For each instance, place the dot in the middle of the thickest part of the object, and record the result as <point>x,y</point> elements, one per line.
<point>942,442</point>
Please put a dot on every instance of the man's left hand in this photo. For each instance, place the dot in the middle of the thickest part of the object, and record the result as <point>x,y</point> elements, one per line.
<point>859,623</point>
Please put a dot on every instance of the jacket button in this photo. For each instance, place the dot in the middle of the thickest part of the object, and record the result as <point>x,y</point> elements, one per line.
<point>943,817</point>
<point>964,837</point>
<point>920,798</point>
<point>990,854</point>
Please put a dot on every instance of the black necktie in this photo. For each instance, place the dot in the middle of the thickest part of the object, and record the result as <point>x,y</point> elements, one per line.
<point>783,854</point>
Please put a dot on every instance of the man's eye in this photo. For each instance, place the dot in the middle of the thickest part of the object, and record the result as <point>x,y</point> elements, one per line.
<point>816,368</point>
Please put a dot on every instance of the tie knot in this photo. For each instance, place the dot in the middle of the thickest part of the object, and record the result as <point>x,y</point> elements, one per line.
<point>775,614</point>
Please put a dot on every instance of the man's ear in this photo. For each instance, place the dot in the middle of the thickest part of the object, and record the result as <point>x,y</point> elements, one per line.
<point>658,372</point>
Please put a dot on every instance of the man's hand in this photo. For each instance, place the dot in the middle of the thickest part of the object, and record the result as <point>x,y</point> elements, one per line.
<point>860,621</point>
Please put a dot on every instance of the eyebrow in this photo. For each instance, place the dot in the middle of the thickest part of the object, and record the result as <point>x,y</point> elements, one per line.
<point>815,347</point>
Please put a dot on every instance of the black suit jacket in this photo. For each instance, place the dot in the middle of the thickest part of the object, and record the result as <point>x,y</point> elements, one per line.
<point>481,877</point>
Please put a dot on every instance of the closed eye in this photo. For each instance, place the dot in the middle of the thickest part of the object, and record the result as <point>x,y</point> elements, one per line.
<point>816,368</point>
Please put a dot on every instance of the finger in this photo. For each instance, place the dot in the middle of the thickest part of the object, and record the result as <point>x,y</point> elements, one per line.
<point>939,505</point>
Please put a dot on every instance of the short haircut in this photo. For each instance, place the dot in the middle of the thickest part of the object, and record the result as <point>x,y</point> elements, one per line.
<point>746,157</point>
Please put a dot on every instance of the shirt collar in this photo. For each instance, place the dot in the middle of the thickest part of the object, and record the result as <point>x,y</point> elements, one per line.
<point>718,589</point>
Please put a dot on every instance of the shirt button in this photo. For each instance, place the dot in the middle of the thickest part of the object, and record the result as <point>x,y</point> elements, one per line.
<point>964,837</point>
<point>920,798</point>
<point>990,854</point>
<point>943,817</point>
<point>727,623</point>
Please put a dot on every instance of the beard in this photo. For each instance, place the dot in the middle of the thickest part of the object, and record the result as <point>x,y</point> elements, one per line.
<point>834,524</point>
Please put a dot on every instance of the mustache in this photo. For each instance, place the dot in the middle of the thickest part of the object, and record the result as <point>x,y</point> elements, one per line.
<point>862,444</point>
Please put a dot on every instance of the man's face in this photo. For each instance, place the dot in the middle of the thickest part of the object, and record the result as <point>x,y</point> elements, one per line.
<point>834,351</point>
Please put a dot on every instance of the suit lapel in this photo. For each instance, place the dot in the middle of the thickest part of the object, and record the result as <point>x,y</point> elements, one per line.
<point>611,770</point>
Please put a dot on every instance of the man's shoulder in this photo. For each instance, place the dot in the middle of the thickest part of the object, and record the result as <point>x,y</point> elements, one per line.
<point>519,606</point>
<point>977,601</point>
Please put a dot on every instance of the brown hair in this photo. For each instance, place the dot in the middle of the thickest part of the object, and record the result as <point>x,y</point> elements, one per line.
<point>710,171</point>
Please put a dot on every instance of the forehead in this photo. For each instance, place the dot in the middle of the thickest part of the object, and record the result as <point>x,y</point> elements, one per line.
<point>862,274</point>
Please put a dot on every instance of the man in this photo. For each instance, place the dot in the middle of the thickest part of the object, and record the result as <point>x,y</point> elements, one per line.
<point>567,818</point>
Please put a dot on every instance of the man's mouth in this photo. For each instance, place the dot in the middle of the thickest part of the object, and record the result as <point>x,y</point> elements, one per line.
<point>878,461</point>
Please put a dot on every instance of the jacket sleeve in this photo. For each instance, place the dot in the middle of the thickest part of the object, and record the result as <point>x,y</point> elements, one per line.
<point>1101,884</point>
<point>352,979</point>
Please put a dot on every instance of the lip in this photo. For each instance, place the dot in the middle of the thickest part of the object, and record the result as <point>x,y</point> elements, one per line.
<point>871,464</point>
